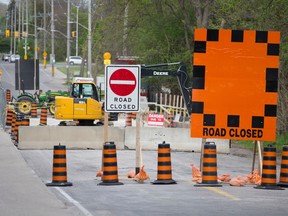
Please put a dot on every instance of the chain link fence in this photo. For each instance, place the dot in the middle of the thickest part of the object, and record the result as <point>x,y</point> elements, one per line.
<point>2,107</point>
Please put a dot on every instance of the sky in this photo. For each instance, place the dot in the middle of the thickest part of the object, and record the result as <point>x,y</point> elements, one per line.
<point>5,1</point>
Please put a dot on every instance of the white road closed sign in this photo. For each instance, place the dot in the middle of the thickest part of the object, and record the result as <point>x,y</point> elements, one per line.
<point>122,88</point>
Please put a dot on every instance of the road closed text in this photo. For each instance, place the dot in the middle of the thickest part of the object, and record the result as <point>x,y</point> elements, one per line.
<point>232,132</point>
<point>122,103</point>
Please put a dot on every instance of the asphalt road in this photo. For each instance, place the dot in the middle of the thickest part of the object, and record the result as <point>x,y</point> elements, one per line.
<point>134,198</point>
<point>47,81</point>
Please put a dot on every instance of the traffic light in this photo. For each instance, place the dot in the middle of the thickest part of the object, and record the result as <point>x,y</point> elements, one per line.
<point>16,34</point>
<point>107,58</point>
<point>73,34</point>
<point>7,33</point>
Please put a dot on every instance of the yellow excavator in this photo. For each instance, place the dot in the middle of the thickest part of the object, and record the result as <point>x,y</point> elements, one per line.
<point>83,104</point>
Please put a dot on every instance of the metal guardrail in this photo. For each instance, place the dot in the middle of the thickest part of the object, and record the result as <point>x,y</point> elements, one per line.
<point>2,107</point>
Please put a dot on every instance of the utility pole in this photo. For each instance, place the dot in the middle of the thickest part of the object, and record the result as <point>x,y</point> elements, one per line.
<point>26,36</point>
<point>89,40</point>
<point>77,21</point>
<point>19,21</point>
<point>45,33</point>
<point>68,41</point>
<point>124,52</point>
<point>11,31</point>
<point>52,37</point>
<point>22,16</point>
<point>15,12</point>
<point>35,45</point>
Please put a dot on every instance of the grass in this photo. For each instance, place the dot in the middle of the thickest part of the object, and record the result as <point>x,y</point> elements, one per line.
<point>279,143</point>
<point>73,70</point>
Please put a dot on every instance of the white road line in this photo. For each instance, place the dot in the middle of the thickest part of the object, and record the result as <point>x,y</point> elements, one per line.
<point>123,82</point>
<point>77,204</point>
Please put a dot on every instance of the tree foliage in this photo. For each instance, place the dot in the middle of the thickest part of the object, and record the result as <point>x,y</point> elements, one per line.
<point>162,31</point>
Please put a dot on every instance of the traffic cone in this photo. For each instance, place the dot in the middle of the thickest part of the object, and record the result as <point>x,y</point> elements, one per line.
<point>9,116</point>
<point>268,179</point>
<point>164,172</point>
<point>43,116</point>
<point>34,110</point>
<point>16,129</point>
<point>110,169</point>
<point>284,168</point>
<point>13,125</point>
<point>8,95</point>
<point>128,120</point>
<point>59,174</point>
<point>170,119</point>
<point>209,172</point>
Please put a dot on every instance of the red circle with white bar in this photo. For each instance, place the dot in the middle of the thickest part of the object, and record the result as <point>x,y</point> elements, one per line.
<point>122,82</point>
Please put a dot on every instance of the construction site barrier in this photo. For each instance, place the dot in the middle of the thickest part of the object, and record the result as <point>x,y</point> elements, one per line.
<point>59,173</point>
<point>209,164</point>
<point>110,168</point>
<point>164,171</point>
<point>284,168</point>
<point>268,178</point>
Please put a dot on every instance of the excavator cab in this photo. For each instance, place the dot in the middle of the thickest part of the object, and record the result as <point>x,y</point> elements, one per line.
<point>84,90</point>
<point>83,104</point>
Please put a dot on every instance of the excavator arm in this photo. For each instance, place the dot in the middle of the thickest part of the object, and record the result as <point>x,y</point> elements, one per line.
<point>180,73</point>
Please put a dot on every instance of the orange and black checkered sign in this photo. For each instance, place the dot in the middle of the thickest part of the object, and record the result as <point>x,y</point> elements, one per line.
<point>235,81</point>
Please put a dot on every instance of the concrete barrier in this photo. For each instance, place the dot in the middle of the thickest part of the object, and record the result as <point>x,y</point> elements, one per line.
<point>73,137</point>
<point>178,138</point>
<point>86,137</point>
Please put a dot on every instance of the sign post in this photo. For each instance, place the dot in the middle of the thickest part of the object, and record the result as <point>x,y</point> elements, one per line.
<point>123,95</point>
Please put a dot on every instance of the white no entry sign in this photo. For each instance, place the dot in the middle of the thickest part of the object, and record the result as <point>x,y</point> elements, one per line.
<point>122,88</point>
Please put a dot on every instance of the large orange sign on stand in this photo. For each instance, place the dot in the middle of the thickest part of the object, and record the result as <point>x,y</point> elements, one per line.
<point>235,81</point>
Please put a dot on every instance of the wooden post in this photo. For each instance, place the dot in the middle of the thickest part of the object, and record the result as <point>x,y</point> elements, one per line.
<point>257,144</point>
<point>138,145</point>
<point>160,102</point>
<point>105,127</point>
<point>202,153</point>
<point>260,158</point>
<point>254,156</point>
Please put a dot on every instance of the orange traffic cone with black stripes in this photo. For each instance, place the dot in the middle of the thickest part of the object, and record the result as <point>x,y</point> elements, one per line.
<point>164,172</point>
<point>59,174</point>
<point>110,168</point>
<point>284,168</point>
<point>268,178</point>
<point>209,172</point>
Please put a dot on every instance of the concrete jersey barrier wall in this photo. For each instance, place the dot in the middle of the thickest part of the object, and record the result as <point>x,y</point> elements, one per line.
<point>86,137</point>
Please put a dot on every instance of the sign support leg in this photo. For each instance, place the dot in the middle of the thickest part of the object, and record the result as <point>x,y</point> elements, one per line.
<point>202,153</point>
<point>138,145</point>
